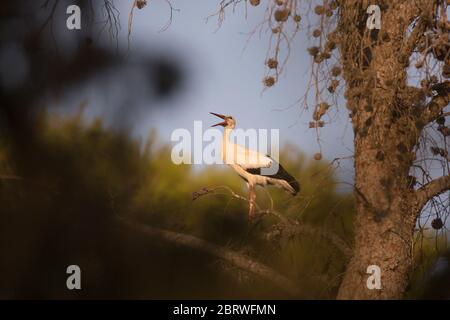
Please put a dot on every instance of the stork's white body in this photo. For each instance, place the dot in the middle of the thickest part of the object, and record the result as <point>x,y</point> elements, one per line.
<point>242,159</point>
<point>249,164</point>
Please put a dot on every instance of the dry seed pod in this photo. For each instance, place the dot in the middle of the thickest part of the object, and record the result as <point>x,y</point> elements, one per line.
<point>320,111</point>
<point>424,83</point>
<point>446,71</point>
<point>330,45</point>
<point>328,13</point>
<point>412,181</point>
<point>272,63</point>
<point>281,15</point>
<point>445,131</point>
<point>279,2</point>
<point>440,121</point>
<point>333,85</point>
<point>437,224</point>
<point>318,59</point>
<point>141,3</point>
<point>326,55</point>
<point>440,51</point>
<point>313,51</point>
<point>297,18</point>
<point>439,151</point>
<point>335,71</point>
<point>269,81</point>
<point>254,2</point>
<point>323,107</point>
<point>319,10</point>
<point>316,33</point>
<point>276,30</point>
<point>318,156</point>
<point>316,124</point>
<point>434,151</point>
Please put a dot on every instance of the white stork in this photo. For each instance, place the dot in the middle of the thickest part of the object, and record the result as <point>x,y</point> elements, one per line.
<point>249,164</point>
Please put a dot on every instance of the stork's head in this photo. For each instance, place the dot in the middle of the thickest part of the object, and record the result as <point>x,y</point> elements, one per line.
<point>228,121</point>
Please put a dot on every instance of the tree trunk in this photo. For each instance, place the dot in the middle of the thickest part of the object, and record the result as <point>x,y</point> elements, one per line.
<point>386,206</point>
<point>384,110</point>
<point>384,225</point>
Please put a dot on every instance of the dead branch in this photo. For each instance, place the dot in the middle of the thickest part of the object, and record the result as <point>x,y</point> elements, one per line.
<point>238,260</point>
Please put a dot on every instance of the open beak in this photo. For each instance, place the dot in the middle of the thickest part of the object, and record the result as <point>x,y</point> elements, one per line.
<point>223,124</point>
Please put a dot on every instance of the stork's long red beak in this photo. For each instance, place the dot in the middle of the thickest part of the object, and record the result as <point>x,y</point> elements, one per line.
<point>223,124</point>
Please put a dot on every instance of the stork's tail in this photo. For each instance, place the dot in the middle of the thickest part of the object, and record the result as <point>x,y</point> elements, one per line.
<point>295,185</point>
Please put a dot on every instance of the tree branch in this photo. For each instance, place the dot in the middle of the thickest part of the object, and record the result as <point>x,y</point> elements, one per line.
<point>434,108</point>
<point>239,260</point>
<point>432,189</point>
<point>290,227</point>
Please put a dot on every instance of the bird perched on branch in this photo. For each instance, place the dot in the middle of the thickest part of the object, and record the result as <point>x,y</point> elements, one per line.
<point>254,167</point>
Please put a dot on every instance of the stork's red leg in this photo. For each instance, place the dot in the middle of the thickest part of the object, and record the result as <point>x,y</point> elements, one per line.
<point>251,200</point>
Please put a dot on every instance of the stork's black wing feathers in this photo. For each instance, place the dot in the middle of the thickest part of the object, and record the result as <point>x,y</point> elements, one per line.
<point>281,174</point>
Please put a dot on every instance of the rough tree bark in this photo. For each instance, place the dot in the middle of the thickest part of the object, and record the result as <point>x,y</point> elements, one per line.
<point>388,117</point>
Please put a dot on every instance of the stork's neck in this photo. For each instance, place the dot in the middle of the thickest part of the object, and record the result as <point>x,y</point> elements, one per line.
<point>226,145</point>
<point>226,135</point>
